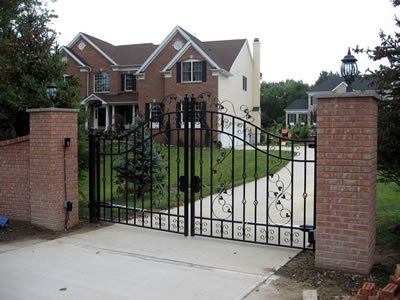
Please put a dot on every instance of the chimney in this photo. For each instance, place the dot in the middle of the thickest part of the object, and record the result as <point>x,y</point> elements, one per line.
<point>256,78</point>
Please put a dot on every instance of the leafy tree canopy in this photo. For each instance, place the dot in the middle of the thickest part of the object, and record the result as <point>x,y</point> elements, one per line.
<point>386,78</point>
<point>29,60</point>
<point>275,96</point>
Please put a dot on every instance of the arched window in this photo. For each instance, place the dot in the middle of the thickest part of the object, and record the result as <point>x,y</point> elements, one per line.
<point>101,82</point>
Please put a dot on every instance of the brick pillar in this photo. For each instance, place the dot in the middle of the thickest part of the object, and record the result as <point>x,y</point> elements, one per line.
<point>346,181</point>
<point>48,128</point>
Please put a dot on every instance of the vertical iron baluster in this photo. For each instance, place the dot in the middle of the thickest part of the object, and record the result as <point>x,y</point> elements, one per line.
<point>126,179</point>
<point>151,172</point>
<point>233,178</point>
<point>186,165</point>
<point>201,173</point>
<point>267,194</point>
<point>169,176</point>
<point>222,129</point>
<point>98,176</point>
<point>255,188</point>
<point>315,188</point>
<point>292,192</point>
<point>212,171</point>
<point>178,162</point>
<point>304,192</point>
<point>104,177</point>
<point>192,163</point>
<point>111,180</point>
<point>134,183</point>
<point>142,182</point>
<point>244,182</point>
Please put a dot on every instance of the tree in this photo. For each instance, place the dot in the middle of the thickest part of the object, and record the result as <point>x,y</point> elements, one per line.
<point>275,96</point>
<point>386,78</point>
<point>324,75</point>
<point>144,167</point>
<point>29,60</point>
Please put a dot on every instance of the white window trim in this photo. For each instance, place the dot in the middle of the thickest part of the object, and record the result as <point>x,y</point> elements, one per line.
<point>290,122</point>
<point>125,90</point>
<point>196,124</point>
<point>65,76</point>
<point>154,125</point>
<point>191,61</point>
<point>94,83</point>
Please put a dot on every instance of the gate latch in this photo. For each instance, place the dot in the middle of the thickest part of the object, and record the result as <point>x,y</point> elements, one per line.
<point>182,184</point>
<point>196,184</point>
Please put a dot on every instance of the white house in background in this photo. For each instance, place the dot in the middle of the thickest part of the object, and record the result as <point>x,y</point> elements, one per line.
<point>304,111</point>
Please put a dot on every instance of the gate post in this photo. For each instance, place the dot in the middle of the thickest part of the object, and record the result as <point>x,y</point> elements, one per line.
<point>53,167</point>
<point>92,178</point>
<point>346,181</point>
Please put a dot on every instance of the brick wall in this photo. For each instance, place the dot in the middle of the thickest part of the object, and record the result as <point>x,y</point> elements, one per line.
<point>32,170</point>
<point>346,181</point>
<point>14,179</point>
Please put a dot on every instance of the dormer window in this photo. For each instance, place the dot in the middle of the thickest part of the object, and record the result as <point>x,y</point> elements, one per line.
<point>101,82</point>
<point>191,71</point>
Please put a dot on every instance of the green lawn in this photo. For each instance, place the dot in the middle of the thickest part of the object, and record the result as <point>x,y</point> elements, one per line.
<point>222,176</point>
<point>387,213</point>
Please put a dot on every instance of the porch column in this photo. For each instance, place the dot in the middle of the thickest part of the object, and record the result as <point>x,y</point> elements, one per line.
<point>113,117</point>
<point>107,121</point>
<point>87,120</point>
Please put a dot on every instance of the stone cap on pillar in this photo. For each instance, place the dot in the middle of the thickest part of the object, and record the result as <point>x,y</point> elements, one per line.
<point>354,94</point>
<point>52,109</point>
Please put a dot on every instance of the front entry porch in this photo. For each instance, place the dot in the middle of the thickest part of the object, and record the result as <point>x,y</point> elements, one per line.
<point>110,112</point>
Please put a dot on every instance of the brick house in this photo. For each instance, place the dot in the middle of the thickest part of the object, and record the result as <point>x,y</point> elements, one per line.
<point>119,82</point>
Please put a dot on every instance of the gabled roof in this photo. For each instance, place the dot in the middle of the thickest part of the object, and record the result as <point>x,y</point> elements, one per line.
<point>75,56</point>
<point>360,84</point>
<point>298,104</point>
<point>220,54</point>
<point>130,55</point>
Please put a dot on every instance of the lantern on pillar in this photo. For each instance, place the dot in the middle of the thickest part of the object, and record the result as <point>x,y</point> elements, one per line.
<point>349,70</point>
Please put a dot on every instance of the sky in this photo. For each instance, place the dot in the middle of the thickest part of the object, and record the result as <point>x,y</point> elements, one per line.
<point>299,39</point>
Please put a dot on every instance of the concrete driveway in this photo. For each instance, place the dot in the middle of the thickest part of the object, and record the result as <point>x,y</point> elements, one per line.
<point>126,262</point>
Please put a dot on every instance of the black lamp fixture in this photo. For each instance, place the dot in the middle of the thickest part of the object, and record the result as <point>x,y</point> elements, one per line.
<point>349,70</point>
<point>51,92</point>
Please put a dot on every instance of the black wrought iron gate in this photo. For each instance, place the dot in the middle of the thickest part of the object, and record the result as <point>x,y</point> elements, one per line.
<point>200,169</point>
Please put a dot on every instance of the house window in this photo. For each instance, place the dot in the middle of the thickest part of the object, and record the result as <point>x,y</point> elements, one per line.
<point>67,77</point>
<point>192,71</point>
<point>303,119</point>
<point>244,84</point>
<point>292,119</point>
<point>197,116</point>
<point>101,82</point>
<point>155,114</point>
<point>128,82</point>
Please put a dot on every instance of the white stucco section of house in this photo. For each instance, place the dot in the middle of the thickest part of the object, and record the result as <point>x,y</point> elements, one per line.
<point>232,94</point>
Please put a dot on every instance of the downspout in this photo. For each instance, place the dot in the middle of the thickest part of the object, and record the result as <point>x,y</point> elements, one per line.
<point>87,81</point>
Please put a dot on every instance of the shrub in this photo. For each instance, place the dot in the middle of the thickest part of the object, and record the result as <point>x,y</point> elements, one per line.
<point>146,168</point>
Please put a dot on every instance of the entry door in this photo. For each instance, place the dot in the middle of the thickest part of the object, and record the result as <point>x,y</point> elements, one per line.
<point>99,117</point>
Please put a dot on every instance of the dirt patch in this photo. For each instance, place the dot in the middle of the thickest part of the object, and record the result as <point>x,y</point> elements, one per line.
<point>301,271</point>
